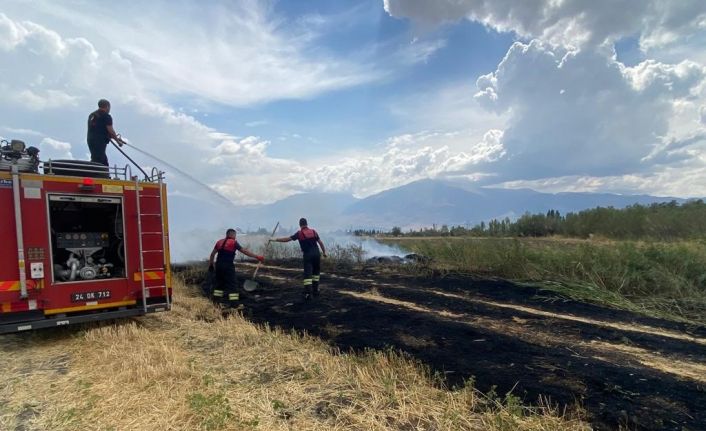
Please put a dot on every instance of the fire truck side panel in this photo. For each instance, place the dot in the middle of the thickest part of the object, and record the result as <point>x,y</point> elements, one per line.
<point>9,262</point>
<point>8,243</point>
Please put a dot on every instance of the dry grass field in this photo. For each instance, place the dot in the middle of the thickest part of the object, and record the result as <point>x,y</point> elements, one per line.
<point>197,369</point>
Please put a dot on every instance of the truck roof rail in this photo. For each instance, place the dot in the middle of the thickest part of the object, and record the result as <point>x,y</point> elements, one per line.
<point>82,168</point>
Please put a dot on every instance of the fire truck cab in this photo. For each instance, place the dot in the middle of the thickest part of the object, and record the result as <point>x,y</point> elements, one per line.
<point>79,242</point>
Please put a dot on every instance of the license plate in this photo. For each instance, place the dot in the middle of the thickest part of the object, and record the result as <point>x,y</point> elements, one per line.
<point>90,296</point>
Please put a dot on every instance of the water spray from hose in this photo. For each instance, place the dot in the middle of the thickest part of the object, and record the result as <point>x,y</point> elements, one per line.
<point>184,174</point>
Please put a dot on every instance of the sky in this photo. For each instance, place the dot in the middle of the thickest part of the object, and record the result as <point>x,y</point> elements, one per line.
<point>265,99</point>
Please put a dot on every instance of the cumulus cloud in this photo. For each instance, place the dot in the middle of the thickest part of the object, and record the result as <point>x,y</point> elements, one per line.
<point>579,112</point>
<point>248,156</point>
<point>403,159</point>
<point>46,68</point>
<point>545,99</point>
<point>686,181</point>
<point>47,64</point>
<point>47,99</point>
<point>567,22</point>
<point>54,149</point>
<point>549,112</point>
<point>572,111</point>
<point>238,167</point>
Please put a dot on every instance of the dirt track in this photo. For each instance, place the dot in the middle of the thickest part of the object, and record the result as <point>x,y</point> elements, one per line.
<point>624,370</point>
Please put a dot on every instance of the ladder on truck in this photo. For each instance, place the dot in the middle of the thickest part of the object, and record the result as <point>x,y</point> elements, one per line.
<point>142,252</point>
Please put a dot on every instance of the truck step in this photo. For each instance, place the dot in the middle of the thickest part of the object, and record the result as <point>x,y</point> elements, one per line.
<point>155,308</point>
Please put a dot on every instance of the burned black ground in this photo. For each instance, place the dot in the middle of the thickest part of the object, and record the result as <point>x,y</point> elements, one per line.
<point>455,326</point>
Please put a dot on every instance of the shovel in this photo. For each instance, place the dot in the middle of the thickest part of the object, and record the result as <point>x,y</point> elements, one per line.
<point>252,285</point>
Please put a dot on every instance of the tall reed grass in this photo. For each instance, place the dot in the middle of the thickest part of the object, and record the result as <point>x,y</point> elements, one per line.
<point>666,279</point>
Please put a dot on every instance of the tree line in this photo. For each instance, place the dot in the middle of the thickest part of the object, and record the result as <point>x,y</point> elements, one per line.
<point>669,220</point>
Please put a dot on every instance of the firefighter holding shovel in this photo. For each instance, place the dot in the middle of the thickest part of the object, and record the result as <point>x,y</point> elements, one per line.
<point>225,290</point>
<point>309,242</point>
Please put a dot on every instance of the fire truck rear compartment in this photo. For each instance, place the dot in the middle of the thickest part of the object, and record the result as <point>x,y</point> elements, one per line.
<point>86,238</point>
<point>84,247</point>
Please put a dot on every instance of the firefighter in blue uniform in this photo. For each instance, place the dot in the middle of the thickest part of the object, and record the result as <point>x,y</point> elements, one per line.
<point>225,289</point>
<point>100,132</point>
<point>309,242</point>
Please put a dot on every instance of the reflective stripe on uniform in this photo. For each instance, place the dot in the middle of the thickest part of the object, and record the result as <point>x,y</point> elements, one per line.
<point>316,277</point>
<point>233,296</point>
<point>308,282</point>
<point>218,293</point>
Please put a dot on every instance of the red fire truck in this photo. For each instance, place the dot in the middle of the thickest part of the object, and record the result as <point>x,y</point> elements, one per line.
<point>79,242</point>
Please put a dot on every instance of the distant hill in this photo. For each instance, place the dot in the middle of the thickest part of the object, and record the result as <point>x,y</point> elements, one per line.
<point>196,224</point>
<point>427,202</point>
<point>421,203</point>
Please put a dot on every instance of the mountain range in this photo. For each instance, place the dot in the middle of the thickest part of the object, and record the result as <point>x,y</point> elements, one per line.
<point>428,202</point>
<point>421,203</point>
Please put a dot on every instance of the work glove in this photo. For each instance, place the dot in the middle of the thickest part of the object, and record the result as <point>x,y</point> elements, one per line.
<point>260,258</point>
<point>210,268</point>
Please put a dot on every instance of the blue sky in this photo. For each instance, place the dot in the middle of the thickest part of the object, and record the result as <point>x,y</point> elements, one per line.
<point>360,117</point>
<point>264,99</point>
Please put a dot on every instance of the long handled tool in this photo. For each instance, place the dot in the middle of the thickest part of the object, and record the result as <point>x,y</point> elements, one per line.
<point>252,285</point>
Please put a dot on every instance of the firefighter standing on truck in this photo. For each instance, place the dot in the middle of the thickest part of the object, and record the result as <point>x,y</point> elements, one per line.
<point>100,132</point>
<point>309,242</point>
<point>225,290</point>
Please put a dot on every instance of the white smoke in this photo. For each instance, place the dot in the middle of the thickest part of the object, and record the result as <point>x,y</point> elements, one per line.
<point>370,246</point>
<point>196,245</point>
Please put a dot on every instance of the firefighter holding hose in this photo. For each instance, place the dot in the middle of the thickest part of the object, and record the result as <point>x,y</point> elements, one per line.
<point>100,132</point>
<point>309,242</point>
<point>225,290</point>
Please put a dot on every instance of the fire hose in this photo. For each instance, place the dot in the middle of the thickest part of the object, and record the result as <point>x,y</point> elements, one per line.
<point>117,147</point>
